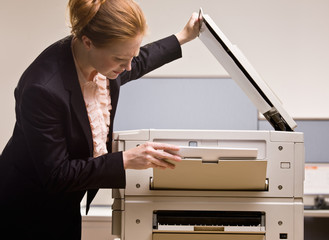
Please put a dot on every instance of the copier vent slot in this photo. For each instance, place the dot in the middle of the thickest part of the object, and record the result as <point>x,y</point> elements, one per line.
<point>215,186</point>
<point>182,224</point>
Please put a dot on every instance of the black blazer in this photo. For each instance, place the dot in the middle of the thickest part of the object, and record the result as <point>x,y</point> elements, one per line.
<point>47,165</point>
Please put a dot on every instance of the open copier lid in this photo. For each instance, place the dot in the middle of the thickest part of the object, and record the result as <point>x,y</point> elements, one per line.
<point>241,71</point>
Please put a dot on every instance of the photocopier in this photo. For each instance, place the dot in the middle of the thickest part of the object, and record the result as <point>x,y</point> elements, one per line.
<point>230,185</point>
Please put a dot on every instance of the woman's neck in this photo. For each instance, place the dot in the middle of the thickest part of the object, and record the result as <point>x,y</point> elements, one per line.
<point>81,58</point>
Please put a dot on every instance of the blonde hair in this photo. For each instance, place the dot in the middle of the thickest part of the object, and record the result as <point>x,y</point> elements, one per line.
<point>106,21</point>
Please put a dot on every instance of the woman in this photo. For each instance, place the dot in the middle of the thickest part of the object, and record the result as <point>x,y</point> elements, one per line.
<point>65,106</point>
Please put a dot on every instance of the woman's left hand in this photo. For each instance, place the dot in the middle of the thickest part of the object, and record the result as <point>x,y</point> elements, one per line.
<point>190,31</point>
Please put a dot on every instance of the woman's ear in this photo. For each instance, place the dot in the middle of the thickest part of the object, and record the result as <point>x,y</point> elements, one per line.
<point>87,43</point>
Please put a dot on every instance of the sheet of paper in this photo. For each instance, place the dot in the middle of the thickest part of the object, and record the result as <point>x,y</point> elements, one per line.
<point>316,179</point>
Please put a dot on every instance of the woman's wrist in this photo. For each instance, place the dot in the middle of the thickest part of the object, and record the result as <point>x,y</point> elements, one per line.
<point>125,161</point>
<point>181,38</point>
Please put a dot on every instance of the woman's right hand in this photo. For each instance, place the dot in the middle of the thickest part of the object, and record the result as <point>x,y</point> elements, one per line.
<point>150,155</point>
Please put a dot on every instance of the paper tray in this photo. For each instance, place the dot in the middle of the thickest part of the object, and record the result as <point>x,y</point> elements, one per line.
<point>193,174</point>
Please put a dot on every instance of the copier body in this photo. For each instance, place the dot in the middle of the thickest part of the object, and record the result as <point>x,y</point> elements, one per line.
<point>159,204</point>
<point>230,185</point>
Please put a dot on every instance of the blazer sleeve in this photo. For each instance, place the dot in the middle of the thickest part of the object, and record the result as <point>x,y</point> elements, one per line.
<point>43,118</point>
<point>153,56</point>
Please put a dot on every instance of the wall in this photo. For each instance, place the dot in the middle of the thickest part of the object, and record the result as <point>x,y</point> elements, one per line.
<point>27,27</point>
<point>286,41</point>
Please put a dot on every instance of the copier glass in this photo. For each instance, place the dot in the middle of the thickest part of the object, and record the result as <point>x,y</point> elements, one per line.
<point>230,185</point>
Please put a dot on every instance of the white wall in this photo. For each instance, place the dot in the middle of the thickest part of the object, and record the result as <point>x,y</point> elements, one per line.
<point>286,41</point>
<point>27,27</point>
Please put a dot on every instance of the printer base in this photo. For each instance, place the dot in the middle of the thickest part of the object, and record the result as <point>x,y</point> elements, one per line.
<point>202,236</point>
<point>282,217</point>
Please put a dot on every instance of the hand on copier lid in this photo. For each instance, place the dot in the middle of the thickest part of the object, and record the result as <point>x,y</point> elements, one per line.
<point>190,31</point>
<point>151,155</point>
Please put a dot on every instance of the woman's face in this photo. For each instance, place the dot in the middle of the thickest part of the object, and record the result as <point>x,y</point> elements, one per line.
<point>112,60</point>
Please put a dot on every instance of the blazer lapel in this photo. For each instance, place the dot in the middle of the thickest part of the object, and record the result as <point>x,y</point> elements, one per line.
<point>71,83</point>
<point>79,108</point>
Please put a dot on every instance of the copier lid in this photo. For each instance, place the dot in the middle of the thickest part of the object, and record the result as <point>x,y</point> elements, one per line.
<point>240,70</point>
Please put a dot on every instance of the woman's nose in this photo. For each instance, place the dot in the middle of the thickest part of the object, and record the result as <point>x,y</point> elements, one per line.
<point>127,66</point>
